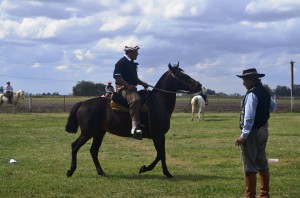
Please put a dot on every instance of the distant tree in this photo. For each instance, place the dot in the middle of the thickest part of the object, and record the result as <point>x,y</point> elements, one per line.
<point>221,94</point>
<point>100,89</point>
<point>282,91</point>
<point>88,88</point>
<point>268,89</point>
<point>296,90</point>
<point>210,92</point>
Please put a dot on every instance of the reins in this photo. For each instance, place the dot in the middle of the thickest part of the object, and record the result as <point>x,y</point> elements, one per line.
<point>165,91</point>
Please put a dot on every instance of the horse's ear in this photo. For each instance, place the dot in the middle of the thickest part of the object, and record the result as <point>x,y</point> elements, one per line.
<point>177,64</point>
<point>170,66</point>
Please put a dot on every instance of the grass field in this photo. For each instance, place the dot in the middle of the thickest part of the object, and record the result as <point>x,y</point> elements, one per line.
<point>201,155</point>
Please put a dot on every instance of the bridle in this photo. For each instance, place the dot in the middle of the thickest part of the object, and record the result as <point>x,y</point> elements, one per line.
<point>165,91</point>
<point>178,79</point>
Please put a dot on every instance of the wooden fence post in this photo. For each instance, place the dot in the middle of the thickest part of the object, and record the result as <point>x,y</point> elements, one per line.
<point>30,103</point>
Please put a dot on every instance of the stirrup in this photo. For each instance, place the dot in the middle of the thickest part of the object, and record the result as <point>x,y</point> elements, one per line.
<point>137,133</point>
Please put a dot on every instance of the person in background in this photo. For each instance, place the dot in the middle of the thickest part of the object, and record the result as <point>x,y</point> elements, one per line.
<point>1,89</point>
<point>9,92</point>
<point>109,90</point>
<point>125,74</point>
<point>255,112</point>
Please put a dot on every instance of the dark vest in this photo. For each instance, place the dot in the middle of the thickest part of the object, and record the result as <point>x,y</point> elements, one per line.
<point>262,113</point>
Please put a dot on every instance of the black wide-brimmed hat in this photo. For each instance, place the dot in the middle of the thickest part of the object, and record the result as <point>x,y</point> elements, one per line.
<point>250,73</point>
<point>8,83</point>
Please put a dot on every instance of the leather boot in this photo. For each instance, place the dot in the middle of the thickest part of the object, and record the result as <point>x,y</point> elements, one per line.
<point>250,179</point>
<point>264,184</point>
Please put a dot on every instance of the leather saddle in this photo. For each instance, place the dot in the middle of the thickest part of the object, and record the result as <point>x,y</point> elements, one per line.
<point>118,102</point>
<point>8,95</point>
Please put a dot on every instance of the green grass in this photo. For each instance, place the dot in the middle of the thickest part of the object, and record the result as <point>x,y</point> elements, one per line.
<point>201,155</point>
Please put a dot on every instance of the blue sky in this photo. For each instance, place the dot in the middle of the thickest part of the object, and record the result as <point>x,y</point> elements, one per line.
<point>50,45</point>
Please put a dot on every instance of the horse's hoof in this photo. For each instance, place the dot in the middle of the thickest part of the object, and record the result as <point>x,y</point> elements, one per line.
<point>102,174</point>
<point>69,173</point>
<point>168,175</point>
<point>143,169</point>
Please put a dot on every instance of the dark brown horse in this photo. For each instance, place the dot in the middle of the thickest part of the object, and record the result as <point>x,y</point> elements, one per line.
<point>96,117</point>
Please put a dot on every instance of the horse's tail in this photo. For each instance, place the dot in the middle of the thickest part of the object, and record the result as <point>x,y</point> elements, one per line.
<point>72,124</point>
<point>194,101</point>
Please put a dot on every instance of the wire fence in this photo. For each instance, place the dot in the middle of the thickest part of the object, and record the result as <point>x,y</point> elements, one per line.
<point>56,104</point>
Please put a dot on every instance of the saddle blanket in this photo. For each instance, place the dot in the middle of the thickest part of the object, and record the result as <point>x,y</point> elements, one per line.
<point>118,102</point>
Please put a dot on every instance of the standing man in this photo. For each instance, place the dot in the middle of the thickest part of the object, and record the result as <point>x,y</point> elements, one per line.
<point>126,77</point>
<point>9,92</point>
<point>255,112</point>
<point>1,89</point>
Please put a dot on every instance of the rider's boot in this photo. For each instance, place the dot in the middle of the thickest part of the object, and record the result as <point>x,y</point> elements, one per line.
<point>136,130</point>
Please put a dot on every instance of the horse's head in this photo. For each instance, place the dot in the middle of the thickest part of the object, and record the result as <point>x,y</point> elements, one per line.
<point>184,81</point>
<point>20,94</point>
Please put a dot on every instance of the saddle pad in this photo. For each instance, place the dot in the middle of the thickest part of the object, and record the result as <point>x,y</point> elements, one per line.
<point>119,107</point>
<point>118,102</point>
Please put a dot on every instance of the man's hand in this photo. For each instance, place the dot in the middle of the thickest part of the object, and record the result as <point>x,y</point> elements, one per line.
<point>239,141</point>
<point>145,85</point>
<point>131,87</point>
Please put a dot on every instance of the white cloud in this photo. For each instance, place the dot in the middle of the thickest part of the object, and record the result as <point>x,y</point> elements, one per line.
<point>81,55</point>
<point>259,6</point>
<point>117,44</point>
<point>62,67</point>
<point>36,65</point>
<point>174,10</point>
<point>212,39</point>
<point>114,23</point>
<point>89,70</point>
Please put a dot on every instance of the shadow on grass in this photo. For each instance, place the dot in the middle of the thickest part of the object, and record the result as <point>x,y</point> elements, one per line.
<point>178,177</point>
<point>214,119</point>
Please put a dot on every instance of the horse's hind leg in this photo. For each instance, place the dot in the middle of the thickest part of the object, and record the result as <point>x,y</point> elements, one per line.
<point>97,141</point>
<point>192,113</point>
<point>76,145</point>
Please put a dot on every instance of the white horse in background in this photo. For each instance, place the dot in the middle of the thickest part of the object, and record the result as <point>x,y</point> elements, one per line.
<point>198,102</point>
<point>17,95</point>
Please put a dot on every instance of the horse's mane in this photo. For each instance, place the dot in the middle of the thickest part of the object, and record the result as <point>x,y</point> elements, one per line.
<point>160,81</point>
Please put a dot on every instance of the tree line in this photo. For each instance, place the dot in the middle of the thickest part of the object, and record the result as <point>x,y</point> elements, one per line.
<point>88,88</point>
<point>278,91</point>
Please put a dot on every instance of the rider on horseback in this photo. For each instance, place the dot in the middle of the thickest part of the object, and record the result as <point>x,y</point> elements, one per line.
<point>125,73</point>
<point>204,96</point>
<point>9,92</point>
<point>109,90</point>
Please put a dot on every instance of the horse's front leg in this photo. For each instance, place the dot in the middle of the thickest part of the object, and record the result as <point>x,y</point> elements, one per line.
<point>159,144</point>
<point>97,141</point>
<point>145,168</point>
<point>161,151</point>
